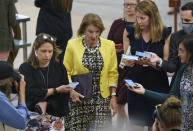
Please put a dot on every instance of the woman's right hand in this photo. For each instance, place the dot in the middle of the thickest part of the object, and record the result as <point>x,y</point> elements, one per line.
<point>139,89</point>
<point>76,96</point>
<point>129,63</point>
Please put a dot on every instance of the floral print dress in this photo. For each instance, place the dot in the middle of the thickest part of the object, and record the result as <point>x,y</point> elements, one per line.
<point>186,95</point>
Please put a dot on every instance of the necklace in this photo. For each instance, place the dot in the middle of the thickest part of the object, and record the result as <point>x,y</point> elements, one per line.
<point>45,78</point>
<point>91,49</point>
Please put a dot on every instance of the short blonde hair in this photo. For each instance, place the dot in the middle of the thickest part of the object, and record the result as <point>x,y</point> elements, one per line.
<point>90,19</point>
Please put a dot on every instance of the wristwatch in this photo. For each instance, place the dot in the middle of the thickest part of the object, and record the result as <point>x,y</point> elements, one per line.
<point>113,94</point>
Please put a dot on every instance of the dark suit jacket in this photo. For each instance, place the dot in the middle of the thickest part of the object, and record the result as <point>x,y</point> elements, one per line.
<point>8,19</point>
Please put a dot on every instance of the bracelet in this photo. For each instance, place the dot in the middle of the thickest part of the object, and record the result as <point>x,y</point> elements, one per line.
<point>55,91</point>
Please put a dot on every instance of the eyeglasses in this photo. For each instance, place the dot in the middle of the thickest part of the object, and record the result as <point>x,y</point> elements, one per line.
<point>156,112</point>
<point>126,5</point>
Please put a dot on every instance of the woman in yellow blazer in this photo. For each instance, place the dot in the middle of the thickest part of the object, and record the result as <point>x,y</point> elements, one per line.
<point>91,53</point>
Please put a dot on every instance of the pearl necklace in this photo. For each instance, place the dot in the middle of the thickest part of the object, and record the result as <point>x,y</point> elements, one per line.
<point>91,49</point>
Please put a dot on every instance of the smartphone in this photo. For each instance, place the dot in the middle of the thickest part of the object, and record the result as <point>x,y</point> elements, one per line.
<point>73,84</point>
<point>130,57</point>
<point>142,54</point>
<point>130,82</point>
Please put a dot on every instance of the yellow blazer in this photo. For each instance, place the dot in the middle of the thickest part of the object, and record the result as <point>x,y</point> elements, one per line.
<point>109,74</point>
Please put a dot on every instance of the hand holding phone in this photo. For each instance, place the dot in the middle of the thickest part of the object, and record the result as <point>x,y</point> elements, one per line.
<point>130,83</point>
<point>73,84</point>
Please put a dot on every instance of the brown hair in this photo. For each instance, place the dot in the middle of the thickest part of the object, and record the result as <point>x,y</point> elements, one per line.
<point>5,86</point>
<point>170,112</point>
<point>187,42</point>
<point>149,8</point>
<point>90,19</point>
<point>63,5</point>
<point>39,41</point>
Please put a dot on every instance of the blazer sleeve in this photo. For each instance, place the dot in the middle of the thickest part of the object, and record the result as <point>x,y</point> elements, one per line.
<point>113,74</point>
<point>175,90</point>
<point>68,60</point>
<point>11,13</point>
<point>34,93</point>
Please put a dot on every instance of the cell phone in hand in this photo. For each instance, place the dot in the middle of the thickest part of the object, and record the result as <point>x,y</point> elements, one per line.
<point>73,84</point>
<point>130,57</point>
<point>142,54</point>
<point>130,83</point>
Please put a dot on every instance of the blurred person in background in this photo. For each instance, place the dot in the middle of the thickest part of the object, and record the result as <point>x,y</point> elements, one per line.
<point>11,117</point>
<point>168,116</point>
<point>8,20</point>
<point>17,35</point>
<point>55,19</point>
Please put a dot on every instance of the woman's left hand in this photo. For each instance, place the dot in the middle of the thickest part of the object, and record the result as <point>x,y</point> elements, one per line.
<point>113,105</point>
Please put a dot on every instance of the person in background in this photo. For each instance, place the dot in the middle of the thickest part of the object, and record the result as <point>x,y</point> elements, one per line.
<point>47,90</point>
<point>92,53</point>
<point>168,116</point>
<point>11,117</point>
<point>17,35</point>
<point>182,86</point>
<point>116,35</point>
<point>8,20</point>
<point>55,19</point>
<point>149,34</point>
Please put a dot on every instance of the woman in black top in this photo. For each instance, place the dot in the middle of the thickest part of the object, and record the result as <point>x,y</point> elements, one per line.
<point>46,79</point>
<point>55,19</point>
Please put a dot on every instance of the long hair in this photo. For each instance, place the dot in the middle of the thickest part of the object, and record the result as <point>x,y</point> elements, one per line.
<point>5,86</point>
<point>170,112</point>
<point>63,5</point>
<point>39,41</point>
<point>149,8</point>
<point>90,19</point>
